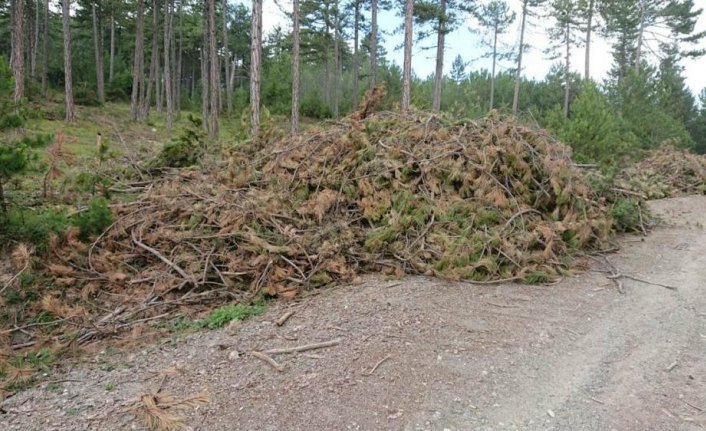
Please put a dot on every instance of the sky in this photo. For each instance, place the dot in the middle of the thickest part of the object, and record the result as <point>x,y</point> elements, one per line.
<point>468,45</point>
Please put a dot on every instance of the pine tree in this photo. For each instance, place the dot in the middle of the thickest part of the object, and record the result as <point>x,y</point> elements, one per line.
<point>407,64</point>
<point>496,17</point>
<point>527,11</point>
<point>564,34</point>
<point>68,83</point>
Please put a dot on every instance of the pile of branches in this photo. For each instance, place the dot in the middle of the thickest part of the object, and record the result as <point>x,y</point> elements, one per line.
<point>667,172</point>
<point>484,201</point>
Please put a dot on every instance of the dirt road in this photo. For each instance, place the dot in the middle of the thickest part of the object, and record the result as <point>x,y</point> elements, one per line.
<point>423,354</point>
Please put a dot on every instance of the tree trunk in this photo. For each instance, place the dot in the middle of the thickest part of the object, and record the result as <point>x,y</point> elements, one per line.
<point>204,72</point>
<point>589,33</point>
<point>495,57</point>
<point>3,204</point>
<point>179,66</point>
<point>17,54</point>
<point>226,60</point>
<point>518,72</point>
<point>97,42</point>
<point>356,59</point>
<point>295,67</point>
<point>167,64</point>
<point>407,65</point>
<point>255,59</point>
<point>45,48</point>
<point>336,61</point>
<point>111,67</point>
<point>68,86</point>
<point>373,43</point>
<point>439,73</point>
<point>35,44</point>
<point>214,70</point>
<point>154,62</point>
<point>567,71</point>
<point>640,37</point>
<point>139,62</point>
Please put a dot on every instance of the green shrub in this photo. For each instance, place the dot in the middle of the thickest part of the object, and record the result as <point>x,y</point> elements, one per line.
<point>222,316</point>
<point>628,215</point>
<point>314,107</point>
<point>94,220</point>
<point>185,150</point>
<point>31,226</point>
<point>85,96</point>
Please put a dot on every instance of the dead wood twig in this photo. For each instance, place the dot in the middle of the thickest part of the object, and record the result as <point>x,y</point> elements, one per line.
<point>161,257</point>
<point>691,405</point>
<point>370,373</point>
<point>285,317</point>
<point>303,348</point>
<point>519,214</point>
<point>268,360</point>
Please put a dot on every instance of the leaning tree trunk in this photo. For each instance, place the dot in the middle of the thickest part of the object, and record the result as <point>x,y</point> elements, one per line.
<point>97,47</point>
<point>17,42</point>
<point>356,60</point>
<point>518,71</point>
<point>295,67</point>
<point>138,63</point>
<point>45,49</point>
<point>255,72</point>
<point>68,86</point>
<point>407,64</point>
<point>214,70</point>
<point>167,64</point>
<point>439,73</point>
<point>373,43</point>
<point>226,60</point>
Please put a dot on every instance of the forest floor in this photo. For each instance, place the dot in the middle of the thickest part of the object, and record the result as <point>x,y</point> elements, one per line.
<point>421,353</point>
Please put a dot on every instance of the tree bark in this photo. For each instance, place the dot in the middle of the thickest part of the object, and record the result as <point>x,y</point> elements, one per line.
<point>295,67</point>
<point>138,75</point>
<point>439,73</point>
<point>407,65</point>
<point>589,33</point>
<point>640,38</point>
<point>255,63</point>
<point>336,61</point>
<point>168,87</point>
<point>68,85</point>
<point>204,72</point>
<point>214,70</point>
<point>373,43</point>
<point>111,67</point>
<point>567,71</point>
<point>17,54</point>
<point>35,44</point>
<point>45,48</point>
<point>495,57</point>
<point>154,62</point>
<point>179,67</point>
<point>226,60</point>
<point>356,54</point>
<point>97,44</point>
<point>518,72</point>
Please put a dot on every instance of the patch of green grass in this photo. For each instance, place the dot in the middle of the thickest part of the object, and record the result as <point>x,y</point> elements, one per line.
<point>537,277</point>
<point>110,387</point>
<point>222,316</point>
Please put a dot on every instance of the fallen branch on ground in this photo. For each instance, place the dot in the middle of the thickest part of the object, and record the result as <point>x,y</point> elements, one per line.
<point>303,348</point>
